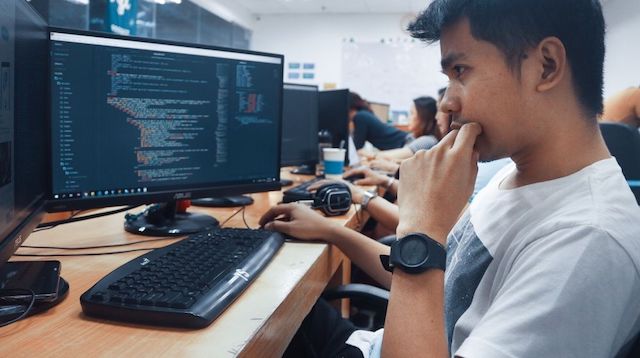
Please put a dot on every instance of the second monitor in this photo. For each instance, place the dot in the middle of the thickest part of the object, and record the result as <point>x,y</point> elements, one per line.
<point>300,128</point>
<point>334,117</point>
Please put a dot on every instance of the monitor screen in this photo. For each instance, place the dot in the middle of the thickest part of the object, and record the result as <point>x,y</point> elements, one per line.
<point>140,121</point>
<point>23,135</point>
<point>299,125</point>
<point>381,110</point>
<point>334,116</point>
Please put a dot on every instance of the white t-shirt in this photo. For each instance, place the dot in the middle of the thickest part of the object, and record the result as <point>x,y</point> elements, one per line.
<point>550,269</point>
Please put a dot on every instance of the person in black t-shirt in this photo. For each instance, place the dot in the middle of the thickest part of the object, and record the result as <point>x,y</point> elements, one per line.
<point>367,127</point>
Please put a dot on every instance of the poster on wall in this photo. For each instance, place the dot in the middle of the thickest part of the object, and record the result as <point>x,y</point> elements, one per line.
<point>122,16</point>
<point>115,16</point>
<point>301,71</point>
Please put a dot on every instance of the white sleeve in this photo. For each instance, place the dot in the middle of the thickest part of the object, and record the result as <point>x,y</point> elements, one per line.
<point>570,294</point>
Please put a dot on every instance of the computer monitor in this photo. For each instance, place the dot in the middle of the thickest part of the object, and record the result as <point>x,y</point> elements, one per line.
<point>333,116</point>
<point>23,111</point>
<point>300,128</point>
<point>381,110</point>
<point>136,121</point>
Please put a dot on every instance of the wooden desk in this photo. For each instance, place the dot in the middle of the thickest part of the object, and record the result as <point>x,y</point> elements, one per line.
<point>261,322</point>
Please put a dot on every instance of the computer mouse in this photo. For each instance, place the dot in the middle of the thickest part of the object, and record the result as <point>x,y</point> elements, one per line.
<point>354,177</point>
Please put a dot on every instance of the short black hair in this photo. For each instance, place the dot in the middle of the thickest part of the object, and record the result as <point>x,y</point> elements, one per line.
<point>515,26</point>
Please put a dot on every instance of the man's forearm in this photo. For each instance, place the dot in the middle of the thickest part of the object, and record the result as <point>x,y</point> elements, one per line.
<point>384,212</point>
<point>362,251</point>
<point>414,326</point>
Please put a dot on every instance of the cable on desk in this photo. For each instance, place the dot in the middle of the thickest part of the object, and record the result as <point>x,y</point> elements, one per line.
<point>44,228</point>
<point>98,246</point>
<point>17,291</point>
<point>358,213</point>
<point>242,209</point>
<point>245,220</point>
<point>230,217</point>
<point>87,254</point>
<point>52,224</point>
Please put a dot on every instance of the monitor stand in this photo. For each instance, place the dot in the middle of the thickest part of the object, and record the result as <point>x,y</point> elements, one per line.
<point>13,311</point>
<point>164,220</point>
<point>224,202</point>
<point>305,170</point>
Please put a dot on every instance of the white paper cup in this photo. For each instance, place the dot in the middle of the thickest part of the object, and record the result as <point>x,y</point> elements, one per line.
<point>333,162</point>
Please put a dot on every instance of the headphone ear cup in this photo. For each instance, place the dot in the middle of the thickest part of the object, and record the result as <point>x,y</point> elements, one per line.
<point>320,197</point>
<point>333,199</point>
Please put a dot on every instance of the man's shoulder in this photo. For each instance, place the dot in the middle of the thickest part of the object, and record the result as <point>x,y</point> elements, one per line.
<point>598,197</point>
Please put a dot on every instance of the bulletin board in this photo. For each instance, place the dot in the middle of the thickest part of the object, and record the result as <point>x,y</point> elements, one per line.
<point>393,72</point>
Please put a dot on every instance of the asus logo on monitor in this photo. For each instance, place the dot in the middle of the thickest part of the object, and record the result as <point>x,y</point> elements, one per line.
<point>179,196</point>
<point>18,241</point>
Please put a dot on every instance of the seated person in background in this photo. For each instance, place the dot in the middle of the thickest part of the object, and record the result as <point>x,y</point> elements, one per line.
<point>422,126</point>
<point>367,127</point>
<point>391,165</point>
<point>623,107</point>
<point>545,262</point>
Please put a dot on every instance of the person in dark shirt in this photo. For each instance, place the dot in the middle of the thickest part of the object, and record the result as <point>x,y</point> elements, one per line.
<point>367,127</point>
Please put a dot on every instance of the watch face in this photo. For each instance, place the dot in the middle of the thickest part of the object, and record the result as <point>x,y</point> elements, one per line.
<point>414,251</point>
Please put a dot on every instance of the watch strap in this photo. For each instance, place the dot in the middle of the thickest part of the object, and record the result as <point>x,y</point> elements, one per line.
<point>435,258</point>
<point>366,198</point>
<point>384,260</point>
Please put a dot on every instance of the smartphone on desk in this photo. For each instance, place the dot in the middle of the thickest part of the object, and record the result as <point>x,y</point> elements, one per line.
<point>39,276</point>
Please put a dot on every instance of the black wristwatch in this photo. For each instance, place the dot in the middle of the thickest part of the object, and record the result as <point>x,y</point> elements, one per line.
<point>414,254</point>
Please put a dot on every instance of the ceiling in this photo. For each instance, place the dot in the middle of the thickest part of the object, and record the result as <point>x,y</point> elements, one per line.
<point>261,7</point>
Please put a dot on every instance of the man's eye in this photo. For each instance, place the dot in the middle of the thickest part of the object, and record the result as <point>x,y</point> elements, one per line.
<point>459,70</point>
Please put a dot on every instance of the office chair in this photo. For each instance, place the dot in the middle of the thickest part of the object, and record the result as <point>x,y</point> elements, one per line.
<point>623,142</point>
<point>370,302</point>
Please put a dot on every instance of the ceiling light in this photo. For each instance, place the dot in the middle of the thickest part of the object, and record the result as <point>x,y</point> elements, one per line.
<point>163,2</point>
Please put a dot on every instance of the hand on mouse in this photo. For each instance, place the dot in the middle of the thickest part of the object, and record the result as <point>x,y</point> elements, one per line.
<point>299,221</point>
<point>370,177</point>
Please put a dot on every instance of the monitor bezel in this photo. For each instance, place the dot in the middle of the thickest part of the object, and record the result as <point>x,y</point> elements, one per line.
<point>285,163</point>
<point>19,234</point>
<point>32,214</point>
<point>203,191</point>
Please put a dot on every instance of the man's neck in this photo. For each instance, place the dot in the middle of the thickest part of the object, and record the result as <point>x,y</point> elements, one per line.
<point>565,151</point>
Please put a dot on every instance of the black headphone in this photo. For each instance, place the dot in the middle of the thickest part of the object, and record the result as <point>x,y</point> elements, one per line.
<point>332,199</point>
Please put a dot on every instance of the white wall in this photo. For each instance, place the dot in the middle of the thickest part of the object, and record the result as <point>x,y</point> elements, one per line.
<point>622,64</point>
<point>319,38</point>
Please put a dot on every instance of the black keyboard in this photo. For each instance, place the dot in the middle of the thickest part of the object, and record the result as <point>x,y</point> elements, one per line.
<point>299,192</point>
<point>185,284</point>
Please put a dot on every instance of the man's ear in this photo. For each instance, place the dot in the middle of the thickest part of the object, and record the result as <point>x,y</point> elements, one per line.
<point>551,60</point>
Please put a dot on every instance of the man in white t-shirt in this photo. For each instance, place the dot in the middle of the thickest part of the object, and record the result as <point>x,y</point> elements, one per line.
<point>545,262</point>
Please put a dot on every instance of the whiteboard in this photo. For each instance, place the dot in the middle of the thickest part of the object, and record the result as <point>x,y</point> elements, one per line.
<point>392,72</point>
